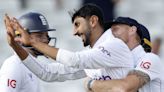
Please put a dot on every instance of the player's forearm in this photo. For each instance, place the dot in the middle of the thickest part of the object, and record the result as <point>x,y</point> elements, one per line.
<point>137,79</point>
<point>22,53</point>
<point>129,84</point>
<point>132,83</point>
<point>109,85</point>
<point>52,72</point>
<point>45,49</point>
<point>100,86</point>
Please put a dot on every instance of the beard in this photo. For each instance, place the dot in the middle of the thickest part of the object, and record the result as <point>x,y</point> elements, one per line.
<point>87,40</point>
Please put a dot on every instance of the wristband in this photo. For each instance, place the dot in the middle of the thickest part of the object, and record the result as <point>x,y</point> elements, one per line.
<point>89,85</point>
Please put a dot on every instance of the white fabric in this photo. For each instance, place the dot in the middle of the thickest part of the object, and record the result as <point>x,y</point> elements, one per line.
<point>138,52</point>
<point>110,58</point>
<point>15,77</point>
<point>53,71</point>
<point>154,67</point>
<point>111,52</point>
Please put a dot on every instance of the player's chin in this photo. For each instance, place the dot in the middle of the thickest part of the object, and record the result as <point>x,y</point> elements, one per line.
<point>85,43</point>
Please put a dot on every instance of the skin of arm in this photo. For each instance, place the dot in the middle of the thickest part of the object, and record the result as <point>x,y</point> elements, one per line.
<point>46,49</point>
<point>131,83</point>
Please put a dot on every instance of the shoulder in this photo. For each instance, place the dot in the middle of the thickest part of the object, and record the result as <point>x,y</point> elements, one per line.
<point>152,57</point>
<point>117,45</point>
<point>150,62</point>
<point>11,64</point>
<point>151,65</point>
<point>11,61</point>
<point>115,41</point>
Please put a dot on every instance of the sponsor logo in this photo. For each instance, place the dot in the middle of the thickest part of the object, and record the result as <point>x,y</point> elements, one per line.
<point>104,50</point>
<point>103,78</point>
<point>145,65</point>
<point>11,83</point>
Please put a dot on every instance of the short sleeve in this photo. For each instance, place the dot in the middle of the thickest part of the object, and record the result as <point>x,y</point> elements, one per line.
<point>10,76</point>
<point>151,65</point>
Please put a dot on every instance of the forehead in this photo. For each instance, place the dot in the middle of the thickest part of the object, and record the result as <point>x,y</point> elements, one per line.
<point>79,19</point>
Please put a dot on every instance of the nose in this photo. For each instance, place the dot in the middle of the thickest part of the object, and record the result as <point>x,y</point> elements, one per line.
<point>75,32</point>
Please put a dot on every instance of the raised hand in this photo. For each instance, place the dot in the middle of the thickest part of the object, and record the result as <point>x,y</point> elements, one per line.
<point>10,31</point>
<point>24,37</point>
<point>13,26</point>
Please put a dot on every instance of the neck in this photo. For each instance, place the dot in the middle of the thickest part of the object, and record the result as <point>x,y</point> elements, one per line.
<point>132,44</point>
<point>95,35</point>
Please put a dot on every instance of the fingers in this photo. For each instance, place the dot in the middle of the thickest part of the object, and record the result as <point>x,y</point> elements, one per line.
<point>7,20</point>
<point>8,25</point>
<point>10,39</point>
<point>17,26</point>
<point>14,28</point>
<point>10,35</point>
<point>18,40</point>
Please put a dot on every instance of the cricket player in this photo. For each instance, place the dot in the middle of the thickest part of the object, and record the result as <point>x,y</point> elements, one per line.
<point>14,76</point>
<point>108,58</point>
<point>146,77</point>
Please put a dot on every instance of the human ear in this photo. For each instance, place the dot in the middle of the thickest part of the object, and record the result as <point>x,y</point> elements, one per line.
<point>133,30</point>
<point>93,20</point>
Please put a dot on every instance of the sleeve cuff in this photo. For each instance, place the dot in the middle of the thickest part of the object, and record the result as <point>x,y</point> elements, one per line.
<point>28,59</point>
<point>146,72</point>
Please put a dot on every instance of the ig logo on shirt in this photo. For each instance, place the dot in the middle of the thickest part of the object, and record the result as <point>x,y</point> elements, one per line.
<point>145,65</point>
<point>11,83</point>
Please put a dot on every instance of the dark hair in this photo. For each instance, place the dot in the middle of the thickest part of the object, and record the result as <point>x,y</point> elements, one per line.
<point>87,11</point>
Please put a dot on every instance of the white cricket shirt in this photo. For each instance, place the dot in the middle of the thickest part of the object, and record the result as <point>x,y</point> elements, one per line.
<point>15,77</point>
<point>110,58</point>
<point>154,67</point>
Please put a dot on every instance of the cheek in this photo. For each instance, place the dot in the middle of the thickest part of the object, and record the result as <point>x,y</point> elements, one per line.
<point>118,33</point>
<point>84,28</point>
<point>42,39</point>
<point>125,36</point>
<point>122,33</point>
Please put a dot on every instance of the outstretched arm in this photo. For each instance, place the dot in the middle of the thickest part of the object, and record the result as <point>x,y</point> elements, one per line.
<point>131,83</point>
<point>53,71</point>
<point>85,59</point>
